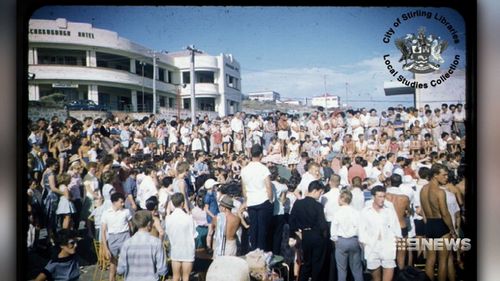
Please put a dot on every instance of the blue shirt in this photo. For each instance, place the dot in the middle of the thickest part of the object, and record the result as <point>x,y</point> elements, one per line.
<point>213,207</point>
<point>63,269</point>
<point>142,258</point>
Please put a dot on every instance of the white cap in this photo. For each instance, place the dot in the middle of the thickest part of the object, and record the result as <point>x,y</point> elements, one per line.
<point>210,183</point>
<point>324,142</point>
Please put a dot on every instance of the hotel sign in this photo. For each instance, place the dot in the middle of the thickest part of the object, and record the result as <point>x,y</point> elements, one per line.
<point>64,85</point>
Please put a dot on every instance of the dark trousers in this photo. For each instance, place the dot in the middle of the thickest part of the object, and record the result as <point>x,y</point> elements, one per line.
<point>76,216</point>
<point>260,221</point>
<point>333,275</point>
<point>314,252</point>
<point>277,224</point>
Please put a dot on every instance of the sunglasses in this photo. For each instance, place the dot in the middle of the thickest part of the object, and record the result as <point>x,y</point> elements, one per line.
<point>72,243</point>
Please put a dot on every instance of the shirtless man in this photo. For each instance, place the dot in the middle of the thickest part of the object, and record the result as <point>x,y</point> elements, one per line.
<point>283,132</point>
<point>401,204</point>
<point>438,222</point>
<point>226,225</point>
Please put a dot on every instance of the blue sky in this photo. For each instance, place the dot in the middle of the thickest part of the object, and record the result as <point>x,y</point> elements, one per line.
<point>286,49</point>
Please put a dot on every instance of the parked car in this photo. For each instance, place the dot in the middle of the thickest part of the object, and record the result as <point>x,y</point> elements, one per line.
<point>84,105</point>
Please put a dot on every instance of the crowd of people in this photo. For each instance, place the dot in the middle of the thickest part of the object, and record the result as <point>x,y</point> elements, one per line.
<point>328,191</point>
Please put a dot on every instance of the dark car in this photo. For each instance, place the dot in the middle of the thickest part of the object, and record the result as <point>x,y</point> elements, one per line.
<point>84,105</point>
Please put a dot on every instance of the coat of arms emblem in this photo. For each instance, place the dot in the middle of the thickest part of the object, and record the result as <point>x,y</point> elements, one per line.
<point>421,54</point>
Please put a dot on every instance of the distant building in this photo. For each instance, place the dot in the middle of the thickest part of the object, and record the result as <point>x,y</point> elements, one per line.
<point>328,101</point>
<point>450,91</point>
<point>291,101</point>
<point>264,96</point>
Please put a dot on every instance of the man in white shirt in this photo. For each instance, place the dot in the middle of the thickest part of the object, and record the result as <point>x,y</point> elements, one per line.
<point>389,164</point>
<point>378,231</point>
<point>312,174</point>
<point>258,194</point>
<point>358,198</point>
<point>344,232</point>
<point>236,124</point>
<point>181,231</point>
<point>147,187</point>
<point>330,200</point>
<point>115,230</point>
<point>459,120</point>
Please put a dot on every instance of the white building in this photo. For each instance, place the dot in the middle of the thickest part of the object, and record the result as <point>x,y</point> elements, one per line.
<point>264,96</point>
<point>291,101</point>
<point>327,101</point>
<point>449,91</point>
<point>84,62</point>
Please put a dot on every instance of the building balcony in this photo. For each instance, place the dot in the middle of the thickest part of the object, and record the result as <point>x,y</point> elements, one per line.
<point>201,90</point>
<point>96,75</point>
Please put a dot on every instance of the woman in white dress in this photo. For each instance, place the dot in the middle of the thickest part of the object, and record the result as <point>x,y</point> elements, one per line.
<point>293,153</point>
<point>274,152</point>
<point>172,135</point>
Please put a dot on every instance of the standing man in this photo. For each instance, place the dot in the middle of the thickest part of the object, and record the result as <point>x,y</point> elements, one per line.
<point>446,119</point>
<point>115,230</point>
<point>142,256</point>
<point>344,232</point>
<point>226,225</point>
<point>307,220</point>
<point>330,201</point>
<point>379,228</point>
<point>459,120</point>
<point>312,174</point>
<point>401,204</point>
<point>258,194</point>
<point>181,231</point>
<point>283,128</point>
<point>437,218</point>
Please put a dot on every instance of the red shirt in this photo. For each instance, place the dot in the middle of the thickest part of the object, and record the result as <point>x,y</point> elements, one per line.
<point>356,171</point>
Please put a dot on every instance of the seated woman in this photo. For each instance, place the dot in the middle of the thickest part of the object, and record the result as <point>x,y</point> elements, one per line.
<point>65,265</point>
<point>274,153</point>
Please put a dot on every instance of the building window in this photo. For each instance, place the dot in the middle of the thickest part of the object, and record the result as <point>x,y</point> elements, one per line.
<point>169,78</point>
<point>161,74</point>
<point>185,77</point>
<point>205,77</point>
<point>61,56</point>
<point>171,102</point>
<point>232,82</point>
<point>162,101</point>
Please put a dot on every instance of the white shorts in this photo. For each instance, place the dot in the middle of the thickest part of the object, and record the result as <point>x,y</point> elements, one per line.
<point>381,254</point>
<point>376,263</point>
<point>282,135</point>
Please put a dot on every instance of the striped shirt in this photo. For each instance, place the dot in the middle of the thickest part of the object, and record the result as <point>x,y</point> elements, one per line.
<point>142,258</point>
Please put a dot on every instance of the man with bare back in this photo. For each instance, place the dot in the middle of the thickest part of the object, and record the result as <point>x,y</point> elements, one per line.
<point>401,204</point>
<point>226,225</point>
<point>438,222</point>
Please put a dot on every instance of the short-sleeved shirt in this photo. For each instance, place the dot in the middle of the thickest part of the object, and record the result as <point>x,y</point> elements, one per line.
<point>116,221</point>
<point>253,177</point>
<point>211,201</point>
<point>63,269</point>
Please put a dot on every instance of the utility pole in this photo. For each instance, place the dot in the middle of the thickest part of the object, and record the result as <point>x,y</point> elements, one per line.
<point>192,78</point>
<point>142,64</point>
<point>154,82</point>
<point>324,79</point>
<point>346,94</point>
